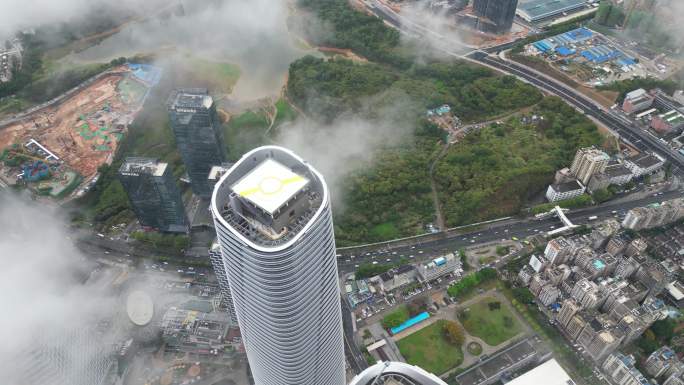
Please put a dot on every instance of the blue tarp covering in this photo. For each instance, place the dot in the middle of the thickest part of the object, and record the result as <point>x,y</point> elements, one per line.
<point>543,45</point>
<point>147,73</point>
<point>601,54</point>
<point>570,37</point>
<point>410,322</point>
<point>574,36</point>
<point>626,62</point>
<point>579,34</point>
<point>564,51</point>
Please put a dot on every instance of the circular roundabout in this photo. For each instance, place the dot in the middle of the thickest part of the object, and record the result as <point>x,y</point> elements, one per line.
<point>474,348</point>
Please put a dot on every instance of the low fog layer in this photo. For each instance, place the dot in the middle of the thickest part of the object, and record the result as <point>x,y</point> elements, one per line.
<point>49,312</point>
<point>353,140</point>
<point>19,15</point>
<point>252,34</point>
<point>437,30</point>
<point>675,10</point>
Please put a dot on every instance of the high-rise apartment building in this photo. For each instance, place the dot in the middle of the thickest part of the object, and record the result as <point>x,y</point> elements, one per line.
<point>617,245</point>
<point>274,223</point>
<point>654,215</point>
<point>577,324</point>
<point>660,361</point>
<point>537,283</point>
<point>198,134</point>
<point>557,274</point>
<point>632,326</point>
<point>567,311</point>
<point>558,250</point>
<point>603,343</point>
<point>676,378</point>
<point>636,247</point>
<point>495,16</point>
<point>586,294</point>
<point>154,195</point>
<point>620,370</point>
<point>588,161</point>
<point>548,295</point>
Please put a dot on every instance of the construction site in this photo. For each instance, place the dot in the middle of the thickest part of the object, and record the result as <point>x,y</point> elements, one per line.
<point>593,59</point>
<point>54,149</point>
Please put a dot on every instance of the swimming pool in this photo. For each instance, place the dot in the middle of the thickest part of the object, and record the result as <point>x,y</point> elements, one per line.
<point>410,322</point>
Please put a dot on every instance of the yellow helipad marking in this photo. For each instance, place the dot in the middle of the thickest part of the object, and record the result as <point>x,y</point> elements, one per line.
<point>270,185</point>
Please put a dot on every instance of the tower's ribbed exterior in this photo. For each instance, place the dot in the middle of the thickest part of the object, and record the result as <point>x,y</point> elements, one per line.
<point>283,278</point>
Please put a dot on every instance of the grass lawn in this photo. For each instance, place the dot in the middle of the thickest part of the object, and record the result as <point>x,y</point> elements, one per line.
<point>244,132</point>
<point>285,112</point>
<point>484,286</point>
<point>396,318</point>
<point>492,326</point>
<point>429,349</point>
<point>221,76</point>
<point>486,260</point>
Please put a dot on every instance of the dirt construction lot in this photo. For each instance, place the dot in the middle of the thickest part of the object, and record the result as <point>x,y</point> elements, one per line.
<point>85,129</point>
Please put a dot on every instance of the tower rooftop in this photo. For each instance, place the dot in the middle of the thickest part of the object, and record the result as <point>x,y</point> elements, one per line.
<point>139,166</point>
<point>269,197</point>
<point>270,185</point>
<point>190,98</point>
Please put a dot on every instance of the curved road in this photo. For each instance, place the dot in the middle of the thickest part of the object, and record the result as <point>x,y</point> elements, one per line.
<point>621,125</point>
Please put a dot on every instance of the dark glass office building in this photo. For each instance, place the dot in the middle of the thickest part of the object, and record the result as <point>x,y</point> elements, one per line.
<point>154,195</point>
<point>198,135</point>
<point>496,16</point>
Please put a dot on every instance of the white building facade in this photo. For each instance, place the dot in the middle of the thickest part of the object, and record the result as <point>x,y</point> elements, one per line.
<point>274,223</point>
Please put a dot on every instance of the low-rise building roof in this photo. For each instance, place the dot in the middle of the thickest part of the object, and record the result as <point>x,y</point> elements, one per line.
<point>541,9</point>
<point>644,160</point>
<point>565,187</point>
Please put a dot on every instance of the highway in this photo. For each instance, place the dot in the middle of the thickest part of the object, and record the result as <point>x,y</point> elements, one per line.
<point>492,233</point>
<point>420,248</point>
<point>642,140</point>
<point>639,138</point>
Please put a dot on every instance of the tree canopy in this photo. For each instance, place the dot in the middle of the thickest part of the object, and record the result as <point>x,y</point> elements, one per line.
<point>454,333</point>
<point>392,196</point>
<point>344,27</point>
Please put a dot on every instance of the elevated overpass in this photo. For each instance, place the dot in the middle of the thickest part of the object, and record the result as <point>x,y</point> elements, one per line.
<point>567,225</point>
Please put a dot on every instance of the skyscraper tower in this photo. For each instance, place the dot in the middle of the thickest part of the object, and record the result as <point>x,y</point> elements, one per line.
<point>216,259</point>
<point>154,195</point>
<point>495,15</point>
<point>274,223</point>
<point>192,113</point>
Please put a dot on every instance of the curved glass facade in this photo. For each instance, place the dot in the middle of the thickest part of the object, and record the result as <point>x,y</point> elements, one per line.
<point>285,288</point>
